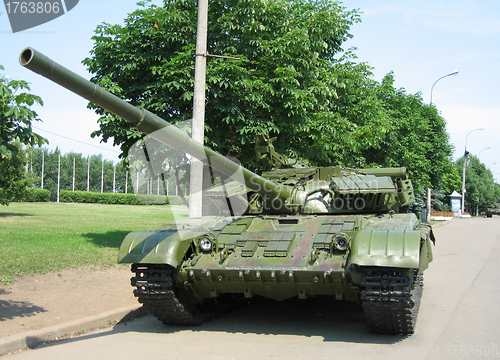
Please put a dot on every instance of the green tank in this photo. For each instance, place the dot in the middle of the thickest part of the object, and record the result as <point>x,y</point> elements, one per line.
<point>306,231</point>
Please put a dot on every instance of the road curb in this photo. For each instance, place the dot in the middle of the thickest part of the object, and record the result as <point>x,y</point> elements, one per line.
<point>34,338</point>
<point>441,224</point>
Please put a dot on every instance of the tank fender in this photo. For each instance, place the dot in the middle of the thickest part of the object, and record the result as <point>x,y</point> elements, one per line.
<point>391,248</point>
<point>169,243</point>
<point>427,236</point>
<point>155,247</point>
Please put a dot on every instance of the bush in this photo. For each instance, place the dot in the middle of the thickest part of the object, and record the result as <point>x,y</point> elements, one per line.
<point>116,198</point>
<point>36,195</point>
<point>74,196</point>
<point>153,199</point>
<point>89,197</point>
<point>176,200</point>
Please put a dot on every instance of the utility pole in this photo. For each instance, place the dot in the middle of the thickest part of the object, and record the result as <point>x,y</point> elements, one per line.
<point>429,193</point>
<point>102,175</point>
<point>88,173</point>
<point>43,161</point>
<point>58,175</point>
<point>198,124</point>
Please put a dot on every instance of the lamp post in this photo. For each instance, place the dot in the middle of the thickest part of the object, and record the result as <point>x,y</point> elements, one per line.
<point>442,77</point>
<point>464,167</point>
<point>429,189</point>
<point>478,155</point>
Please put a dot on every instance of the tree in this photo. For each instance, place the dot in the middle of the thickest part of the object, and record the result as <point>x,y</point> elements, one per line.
<point>416,137</point>
<point>15,131</point>
<point>481,189</point>
<point>284,82</point>
<point>293,80</point>
<point>13,178</point>
<point>452,181</point>
<point>51,159</point>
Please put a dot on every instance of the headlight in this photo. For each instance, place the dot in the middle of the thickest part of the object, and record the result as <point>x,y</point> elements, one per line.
<point>205,244</point>
<point>341,242</point>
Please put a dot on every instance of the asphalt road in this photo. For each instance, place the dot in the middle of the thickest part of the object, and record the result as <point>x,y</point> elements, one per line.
<point>459,318</point>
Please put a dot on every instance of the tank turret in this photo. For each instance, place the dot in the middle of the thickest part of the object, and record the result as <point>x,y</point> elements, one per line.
<point>290,187</point>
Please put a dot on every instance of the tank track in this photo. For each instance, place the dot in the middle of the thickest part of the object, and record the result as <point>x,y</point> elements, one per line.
<point>155,289</point>
<point>390,299</point>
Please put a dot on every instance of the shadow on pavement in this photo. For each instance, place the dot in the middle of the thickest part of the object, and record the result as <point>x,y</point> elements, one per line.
<point>10,309</point>
<point>316,317</point>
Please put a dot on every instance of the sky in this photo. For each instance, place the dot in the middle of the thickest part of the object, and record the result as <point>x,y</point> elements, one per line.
<point>420,41</point>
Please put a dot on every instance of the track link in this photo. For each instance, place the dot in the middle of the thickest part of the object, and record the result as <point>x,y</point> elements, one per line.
<point>156,290</point>
<point>391,298</point>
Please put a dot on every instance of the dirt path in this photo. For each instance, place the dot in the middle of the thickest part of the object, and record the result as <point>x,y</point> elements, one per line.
<point>37,301</point>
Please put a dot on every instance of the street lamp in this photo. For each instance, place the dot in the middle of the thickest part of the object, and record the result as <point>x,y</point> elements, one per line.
<point>429,189</point>
<point>465,152</point>
<point>465,165</point>
<point>478,155</point>
<point>442,77</point>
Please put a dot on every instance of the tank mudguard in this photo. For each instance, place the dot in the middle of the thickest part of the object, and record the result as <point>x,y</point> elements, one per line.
<point>426,250</point>
<point>154,247</point>
<point>388,248</point>
<point>168,244</point>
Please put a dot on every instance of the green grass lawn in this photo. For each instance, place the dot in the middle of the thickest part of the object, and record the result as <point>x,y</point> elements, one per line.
<point>46,237</point>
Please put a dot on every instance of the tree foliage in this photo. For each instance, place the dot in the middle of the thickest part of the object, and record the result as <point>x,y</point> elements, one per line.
<point>416,136</point>
<point>93,169</point>
<point>293,80</point>
<point>284,83</point>
<point>13,177</point>
<point>481,189</point>
<point>86,169</point>
<point>16,117</point>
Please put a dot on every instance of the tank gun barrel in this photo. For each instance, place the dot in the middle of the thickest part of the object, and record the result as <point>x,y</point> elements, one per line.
<point>146,122</point>
<point>400,172</point>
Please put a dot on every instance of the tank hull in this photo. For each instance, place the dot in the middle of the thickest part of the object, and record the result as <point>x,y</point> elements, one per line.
<point>280,257</point>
